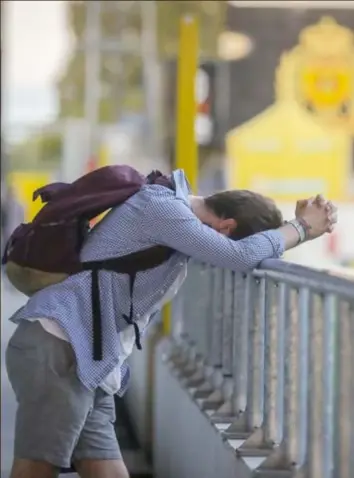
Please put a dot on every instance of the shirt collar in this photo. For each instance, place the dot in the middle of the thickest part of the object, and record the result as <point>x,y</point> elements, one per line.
<point>182,185</point>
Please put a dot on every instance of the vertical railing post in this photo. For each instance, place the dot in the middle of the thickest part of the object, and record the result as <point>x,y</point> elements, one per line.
<point>242,311</point>
<point>321,391</point>
<point>227,330</point>
<point>315,397</point>
<point>254,410</point>
<point>274,360</point>
<point>328,381</point>
<point>217,319</point>
<point>189,309</point>
<point>203,303</point>
<point>296,322</point>
<point>343,442</point>
<point>194,327</point>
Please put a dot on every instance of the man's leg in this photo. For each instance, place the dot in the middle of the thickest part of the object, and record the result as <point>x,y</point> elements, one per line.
<point>97,453</point>
<point>53,405</point>
<point>33,469</point>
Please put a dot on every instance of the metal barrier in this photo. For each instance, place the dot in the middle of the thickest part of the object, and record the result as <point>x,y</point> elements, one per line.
<point>268,356</point>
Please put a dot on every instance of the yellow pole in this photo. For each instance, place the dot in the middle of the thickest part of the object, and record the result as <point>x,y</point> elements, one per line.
<point>186,146</point>
<point>103,156</point>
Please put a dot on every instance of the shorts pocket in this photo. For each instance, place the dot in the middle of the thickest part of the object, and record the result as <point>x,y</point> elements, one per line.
<point>26,371</point>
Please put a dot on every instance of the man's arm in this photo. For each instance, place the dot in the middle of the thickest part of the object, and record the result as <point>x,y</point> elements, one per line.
<point>170,222</point>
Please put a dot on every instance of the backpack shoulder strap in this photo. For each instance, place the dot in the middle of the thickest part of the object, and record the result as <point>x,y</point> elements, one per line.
<point>130,264</point>
<point>133,263</point>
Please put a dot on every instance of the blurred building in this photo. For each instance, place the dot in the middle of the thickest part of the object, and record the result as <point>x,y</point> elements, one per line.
<point>291,111</point>
<point>272,31</point>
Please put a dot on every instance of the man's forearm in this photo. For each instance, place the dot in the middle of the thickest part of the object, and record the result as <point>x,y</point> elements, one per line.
<point>182,231</point>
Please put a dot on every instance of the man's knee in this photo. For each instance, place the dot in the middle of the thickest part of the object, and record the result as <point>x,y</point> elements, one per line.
<point>33,469</point>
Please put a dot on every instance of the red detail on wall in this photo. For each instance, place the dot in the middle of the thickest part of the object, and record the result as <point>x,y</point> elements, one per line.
<point>204,108</point>
<point>332,244</point>
<point>92,164</point>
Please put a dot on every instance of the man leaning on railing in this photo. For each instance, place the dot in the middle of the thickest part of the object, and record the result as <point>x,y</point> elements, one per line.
<point>65,397</point>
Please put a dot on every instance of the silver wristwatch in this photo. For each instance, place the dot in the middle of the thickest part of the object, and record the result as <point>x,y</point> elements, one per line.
<point>299,228</point>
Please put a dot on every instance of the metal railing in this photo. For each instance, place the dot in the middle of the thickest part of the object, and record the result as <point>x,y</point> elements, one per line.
<point>269,357</point>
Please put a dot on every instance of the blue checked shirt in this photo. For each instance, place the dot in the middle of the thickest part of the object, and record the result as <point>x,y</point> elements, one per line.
<point>155,215</point>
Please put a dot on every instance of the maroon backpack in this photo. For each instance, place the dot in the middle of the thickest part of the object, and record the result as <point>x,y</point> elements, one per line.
<point>47,250</point>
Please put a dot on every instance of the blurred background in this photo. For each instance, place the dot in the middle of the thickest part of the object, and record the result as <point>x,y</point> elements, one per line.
<point>90,83</point>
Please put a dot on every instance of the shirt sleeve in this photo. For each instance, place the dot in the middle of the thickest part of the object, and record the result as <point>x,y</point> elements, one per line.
<point>170,222</point>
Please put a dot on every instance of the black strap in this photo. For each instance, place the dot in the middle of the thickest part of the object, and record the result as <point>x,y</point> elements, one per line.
<point>96,315</point>
<point>97,318</point>
<point>131,265</point>
<point>130,318</point>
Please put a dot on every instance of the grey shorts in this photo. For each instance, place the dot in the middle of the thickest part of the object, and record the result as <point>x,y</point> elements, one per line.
<point>58,420</point>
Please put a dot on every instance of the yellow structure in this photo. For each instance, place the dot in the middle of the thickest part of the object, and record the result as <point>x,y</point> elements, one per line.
<point>24,183</point>
<point>103,156</point>
<point>324,77</point>
<point>186,145</point>
<point>302,144</point>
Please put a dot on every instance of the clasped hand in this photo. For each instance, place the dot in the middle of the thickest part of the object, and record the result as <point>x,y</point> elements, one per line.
<point>318,213</point>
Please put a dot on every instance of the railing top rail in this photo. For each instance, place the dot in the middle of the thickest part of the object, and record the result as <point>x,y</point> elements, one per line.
<point>305,276</point>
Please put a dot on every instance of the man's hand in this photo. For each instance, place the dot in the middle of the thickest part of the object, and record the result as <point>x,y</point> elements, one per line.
<point>301,204</point>
<point>319,214</point>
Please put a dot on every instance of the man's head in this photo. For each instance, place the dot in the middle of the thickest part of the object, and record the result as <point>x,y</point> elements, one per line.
<point>238,213</point>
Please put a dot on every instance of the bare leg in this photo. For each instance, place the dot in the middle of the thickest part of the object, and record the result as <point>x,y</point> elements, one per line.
<point>33,469</point>
<point>101,468</point>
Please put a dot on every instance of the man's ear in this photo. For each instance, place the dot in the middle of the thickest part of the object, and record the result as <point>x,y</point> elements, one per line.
<point>227,226</point>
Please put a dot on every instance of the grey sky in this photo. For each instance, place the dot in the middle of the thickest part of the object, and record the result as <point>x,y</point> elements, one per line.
<point>36,41</point>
